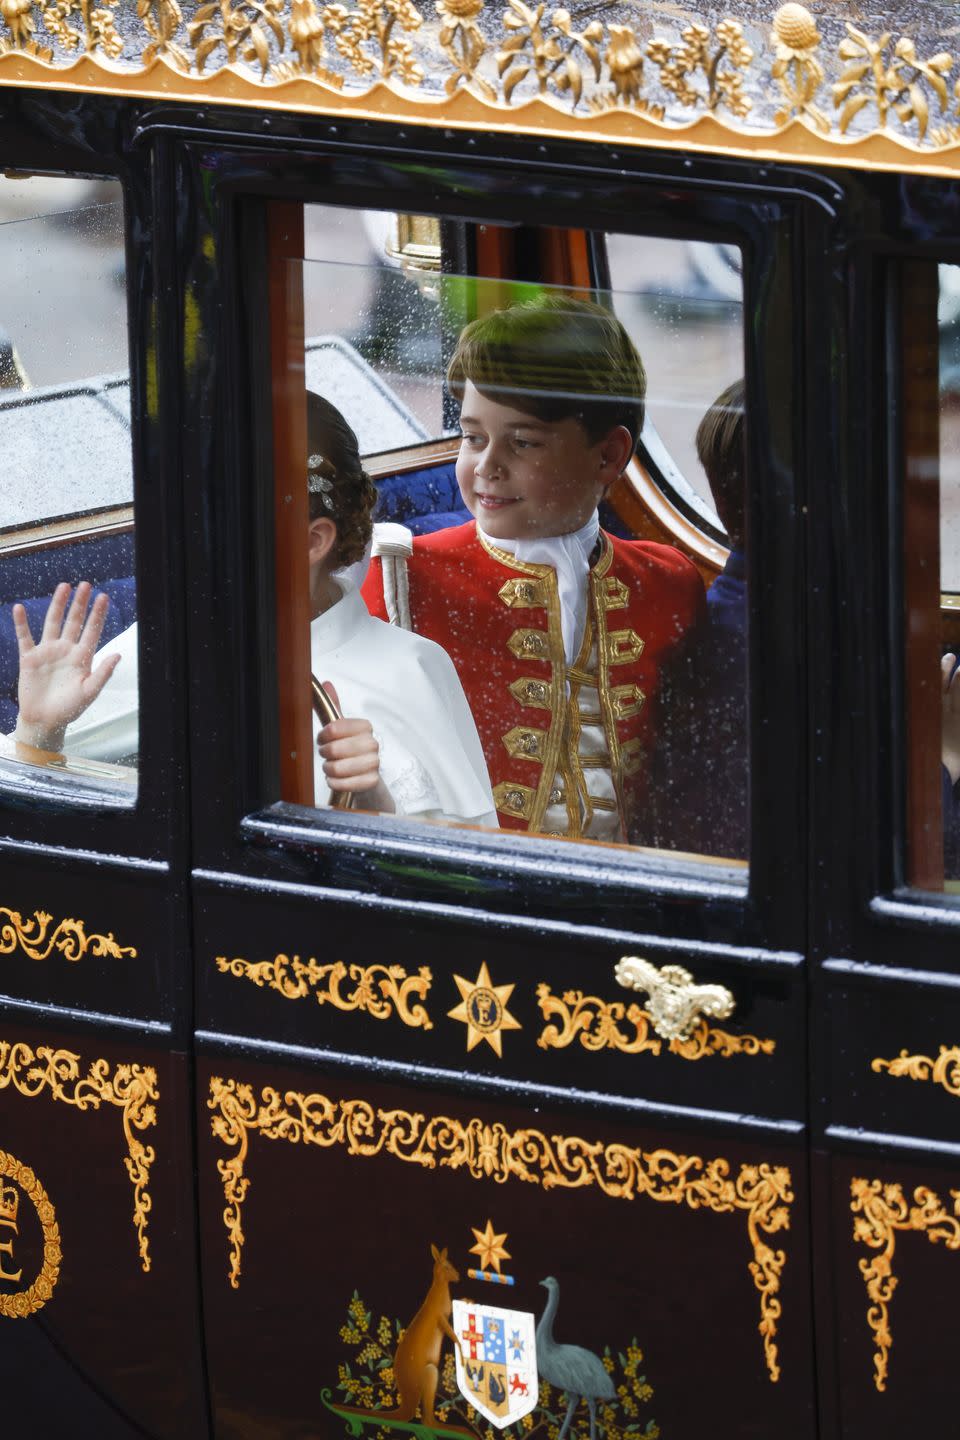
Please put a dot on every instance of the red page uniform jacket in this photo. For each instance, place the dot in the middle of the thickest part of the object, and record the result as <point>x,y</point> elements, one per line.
<point>567,747</point>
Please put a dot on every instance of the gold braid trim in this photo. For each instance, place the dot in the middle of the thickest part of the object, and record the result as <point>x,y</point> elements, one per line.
<point>377,988</point>
<point>879,1211</point>
<point>37,941</point>
<point>492,1152</point>
<point>131,1087</point>
<point>597,1024</point>
<point>944,1070</point>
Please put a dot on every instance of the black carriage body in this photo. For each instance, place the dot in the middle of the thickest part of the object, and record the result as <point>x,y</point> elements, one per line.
<point>719,1214</point>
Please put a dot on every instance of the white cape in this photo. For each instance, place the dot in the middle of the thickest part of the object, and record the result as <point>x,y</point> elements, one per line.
<point>431,759</point>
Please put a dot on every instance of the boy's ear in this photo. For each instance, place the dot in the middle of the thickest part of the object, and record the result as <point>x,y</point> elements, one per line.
<point>616,450</point>
<point>322,536</point>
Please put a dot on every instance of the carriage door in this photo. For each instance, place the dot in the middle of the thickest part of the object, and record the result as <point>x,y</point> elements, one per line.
<point>888,1164</point>
<point>99,1300</point>
<point>500,1080</point>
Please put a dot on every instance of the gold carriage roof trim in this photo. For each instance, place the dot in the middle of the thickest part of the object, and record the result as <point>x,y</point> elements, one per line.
<point>794,87</point>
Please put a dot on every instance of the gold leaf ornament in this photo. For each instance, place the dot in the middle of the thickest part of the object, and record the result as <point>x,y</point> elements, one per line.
<point>492,1152</point>
<point>796,67</point>
<point>375,22</point>
<point>890,80</point>
<point>598,1024</point>
<point>19,22</point>
<point>244,30</point>
<point>548,53</point>
<point>162,20</point>
<point>37,940</point>
<point>132,1088</point>
<point>944,1070</point>
<point>462,41</point>
<point>26,1302</point>
<point>377,989</point>
<point>694,58</point>
<point>880,1210</point>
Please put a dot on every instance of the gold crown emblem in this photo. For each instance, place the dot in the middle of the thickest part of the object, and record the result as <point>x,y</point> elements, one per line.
<point>9,1204</point>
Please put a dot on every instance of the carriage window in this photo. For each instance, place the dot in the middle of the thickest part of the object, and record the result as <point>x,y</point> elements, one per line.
<point>68,661</point>
<point>550,653</point>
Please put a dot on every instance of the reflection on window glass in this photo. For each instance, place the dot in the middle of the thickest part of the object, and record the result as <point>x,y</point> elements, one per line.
<point>666,291</point>
<point>949,583</point>
<point>68,692</point>
<point>542,670</point>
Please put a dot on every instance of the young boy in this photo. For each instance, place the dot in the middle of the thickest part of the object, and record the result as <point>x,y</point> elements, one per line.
<point>558,631</point>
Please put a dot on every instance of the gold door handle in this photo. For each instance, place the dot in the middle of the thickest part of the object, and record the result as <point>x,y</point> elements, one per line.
<point>677,1002</point>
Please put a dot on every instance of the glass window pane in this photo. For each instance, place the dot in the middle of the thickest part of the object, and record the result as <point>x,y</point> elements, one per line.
<point>551,648</point>
<point>66,511</point>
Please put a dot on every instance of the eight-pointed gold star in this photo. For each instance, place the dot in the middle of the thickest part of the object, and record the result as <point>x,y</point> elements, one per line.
<point>483,1009</point>
<point>490,1247</point>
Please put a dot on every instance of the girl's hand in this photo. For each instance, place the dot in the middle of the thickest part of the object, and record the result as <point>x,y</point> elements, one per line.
<point>57,679</point>
<point>351,758</point>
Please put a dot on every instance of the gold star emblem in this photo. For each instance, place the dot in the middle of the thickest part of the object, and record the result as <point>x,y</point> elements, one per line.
<point>490,1247</point>
<point>483,1009</point>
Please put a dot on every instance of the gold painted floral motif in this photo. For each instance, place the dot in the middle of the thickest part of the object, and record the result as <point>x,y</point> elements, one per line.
<point>162,19</point>
<point>888,75</point>
<point>242,27</point>
<point>796,67</point>
<point>97,32</point>
<point>549,54</point>
<point>597,1024</point>
<point>493,1153</point>
<point>133,1088</point>
<point>879,1211</point>
<point>944,1070</point>
<point>26,1302</point>
<point>37,941</point>
<point>375,22</point>
<point>377,989</point>
<point>693,56</point>
<point>461,40</point>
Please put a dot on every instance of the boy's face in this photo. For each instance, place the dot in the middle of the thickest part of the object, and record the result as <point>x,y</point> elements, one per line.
<point>522,478</point>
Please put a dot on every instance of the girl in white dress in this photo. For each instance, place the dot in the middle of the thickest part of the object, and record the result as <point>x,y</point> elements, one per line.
<point>407,743</point>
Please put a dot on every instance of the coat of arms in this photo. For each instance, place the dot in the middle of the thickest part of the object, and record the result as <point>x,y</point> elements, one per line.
<point>496,1360</point>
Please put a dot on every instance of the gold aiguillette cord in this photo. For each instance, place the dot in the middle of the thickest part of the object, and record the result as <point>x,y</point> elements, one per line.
<point>326,712</point>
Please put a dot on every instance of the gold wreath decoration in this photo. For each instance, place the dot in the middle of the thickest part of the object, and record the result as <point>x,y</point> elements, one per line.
<point>27,1302</point>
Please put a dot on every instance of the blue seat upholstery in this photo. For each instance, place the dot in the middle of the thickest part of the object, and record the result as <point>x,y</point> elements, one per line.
<point>423,500</point>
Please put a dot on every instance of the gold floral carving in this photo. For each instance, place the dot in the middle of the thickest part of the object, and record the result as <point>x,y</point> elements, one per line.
<point>494,1153</point>
<point>693,57</point>
<point>598,1026</point>
<point>25,1302</point>
<point>35,938</point>
<point>889,76</point>
<point>796,68</point>
<point>132,1088</point>
<point>879,1211</point>
<point>377,989</point>
<point>548,53</point>
<point>944,1070</point>
<point>605,82</point>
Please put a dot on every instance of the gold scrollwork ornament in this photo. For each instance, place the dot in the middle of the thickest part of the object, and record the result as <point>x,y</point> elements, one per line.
<point>26,1302</point>
<point>879,1211</point>
<point>377,989</point>
<point>132,1088</point>
<point>491,1152</point>
<point>35,938</point>
<point>943,1070</point>
<point>597,1024</point>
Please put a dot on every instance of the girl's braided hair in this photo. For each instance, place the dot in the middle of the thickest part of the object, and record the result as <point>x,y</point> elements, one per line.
<point>339,488</point>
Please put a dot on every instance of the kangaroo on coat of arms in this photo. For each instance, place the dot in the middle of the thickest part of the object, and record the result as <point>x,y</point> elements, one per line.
<point>515,1382</point>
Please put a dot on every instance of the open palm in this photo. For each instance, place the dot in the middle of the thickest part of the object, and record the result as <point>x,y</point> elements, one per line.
<point>58,680</point>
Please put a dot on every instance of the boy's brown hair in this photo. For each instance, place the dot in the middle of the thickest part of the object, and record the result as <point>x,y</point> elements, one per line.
<point>556,358</point>
<point>720,446</point>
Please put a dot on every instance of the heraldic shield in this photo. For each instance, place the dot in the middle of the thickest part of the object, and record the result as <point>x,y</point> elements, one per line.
<point>496,1360</point>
